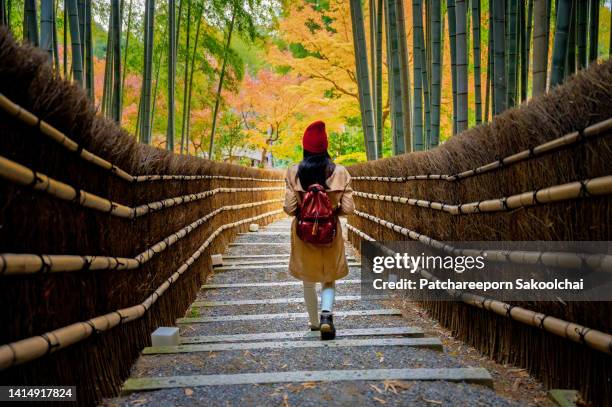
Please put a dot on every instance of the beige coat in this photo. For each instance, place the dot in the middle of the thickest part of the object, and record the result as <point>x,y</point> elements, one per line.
<point>319,263</point>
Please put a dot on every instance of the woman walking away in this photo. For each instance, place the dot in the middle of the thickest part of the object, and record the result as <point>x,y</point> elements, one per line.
<point>318,191</point>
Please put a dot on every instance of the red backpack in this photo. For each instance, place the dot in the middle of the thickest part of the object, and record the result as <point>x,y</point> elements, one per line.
<point>316,223</point>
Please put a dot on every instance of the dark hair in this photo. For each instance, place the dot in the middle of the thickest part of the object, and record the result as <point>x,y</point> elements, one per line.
<point>315,169</point>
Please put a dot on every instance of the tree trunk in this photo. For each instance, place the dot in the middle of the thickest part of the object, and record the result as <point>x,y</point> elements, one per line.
<point>540,46</point>
<point>452,24</point>
<point>89,71</point>
<point>30,22</point>
<point>185,76</point>
<point>404,74</point>
<point>436,72</point>
<point>476,51</point>
<point>192,70</point>
<point>75,38</point>
<point>462,65</point>
<point>220,86</point>
<point>145,122</point>
<point>46,27</point>
<point>564,15</point>
<point>116,100</point>
<point>594,30</point>
<point>171,73</point>
<point>499,67</point>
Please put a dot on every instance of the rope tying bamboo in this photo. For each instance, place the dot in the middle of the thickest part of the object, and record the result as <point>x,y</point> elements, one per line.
<point>35,347</point>
<point>568,140</point>
<point>562,192</point>
<point>45,128</point>
<point>22,175</point>
<point>568,260</point>
<point>16,264</point>
<point>577,333</point>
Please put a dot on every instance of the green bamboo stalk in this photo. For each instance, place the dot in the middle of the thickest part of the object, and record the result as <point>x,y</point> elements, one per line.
<point>108,73</point>
<point>75,38</point>
<point>583,17</point>
<point>126,49</point>
<point>170,129</point>
<point>436,71</point>
<point>489,86</point>
<point>476,52</point>
<point>30,22</point>
<point>499,49</point>
<point>46,27</point>
<point>395,88</point>
<point>54,40</point>
<point>81,14</point>
<point>404,74</point>
<point>564,15</point>
<point>116,102</point>
<point>426,92</point>
<point>89,71</point>
<point>452,24</point>
<point>145,122</point>
<point>570,56</point>
<point>525,74</point>
<point>186,75</point>
<point>372,69</point>
<point>594,30</point>
<point>522,50</point>
<point>379,80</point>
<point>65,41</point>
<point>540,46</point>
<point>3,13</point>
<point>462,65</point>
<point>417,31</point>
<point>363,84</point>
<point>512,52</point>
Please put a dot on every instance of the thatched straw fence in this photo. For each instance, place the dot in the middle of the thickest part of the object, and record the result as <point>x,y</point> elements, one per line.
<point>101,239</point>
<point>538,172</point>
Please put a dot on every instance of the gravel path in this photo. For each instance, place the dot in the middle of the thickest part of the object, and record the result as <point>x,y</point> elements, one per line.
<point>338,393</point>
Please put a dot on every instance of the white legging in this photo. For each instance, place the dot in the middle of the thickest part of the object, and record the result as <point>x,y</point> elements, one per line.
<point>328,292</point>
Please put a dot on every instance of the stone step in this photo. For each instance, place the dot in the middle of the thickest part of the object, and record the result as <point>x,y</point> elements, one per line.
<point>252,317</point>
<point>432,343</point>
<point>265,267</point>
<point>293,300</point>
<point>471,375</point>
<point>260,233</point>
<point>393,331</point>
<point>269,284</point>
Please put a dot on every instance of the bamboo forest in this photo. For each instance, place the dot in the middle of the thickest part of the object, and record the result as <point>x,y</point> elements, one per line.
<point>213,78</point>
<point>306,202</point>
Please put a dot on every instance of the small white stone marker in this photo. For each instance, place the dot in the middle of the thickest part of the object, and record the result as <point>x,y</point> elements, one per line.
<point>165,336</point>
<point>216,259</point>
<point>253,227</point>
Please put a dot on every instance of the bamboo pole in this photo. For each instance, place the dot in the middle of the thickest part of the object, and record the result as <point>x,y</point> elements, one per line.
<point>597,340</point>
<point>540,46</point>
<point>18,264</point>
<point>556,193</point>
<point>29,119</point>
<point>28,349</point>
<point>569,140</point>
<point>21,175</point>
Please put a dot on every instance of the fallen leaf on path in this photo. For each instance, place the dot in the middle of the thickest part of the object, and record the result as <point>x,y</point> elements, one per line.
<point>379,391</point>
<point>188,392</point>
<point>393,385</point>
<point>139,402</point>
<point>286,400</point>
<point>381,401</point>
<point>516,385</point>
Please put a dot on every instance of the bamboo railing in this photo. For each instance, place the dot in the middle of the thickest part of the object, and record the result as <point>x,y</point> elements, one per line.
<point>574,138</point>
<point>595,339</point>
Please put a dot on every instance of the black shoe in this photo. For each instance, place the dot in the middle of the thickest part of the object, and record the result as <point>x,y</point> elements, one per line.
<point>328,330</point>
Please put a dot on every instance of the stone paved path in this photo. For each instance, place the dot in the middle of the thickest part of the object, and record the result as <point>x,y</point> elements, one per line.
<point>237,350</point>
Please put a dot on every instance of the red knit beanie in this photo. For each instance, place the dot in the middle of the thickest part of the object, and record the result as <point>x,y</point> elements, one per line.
<point>315,138</point>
